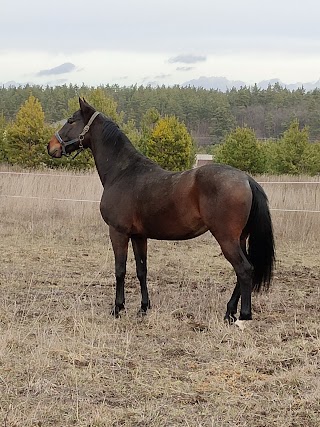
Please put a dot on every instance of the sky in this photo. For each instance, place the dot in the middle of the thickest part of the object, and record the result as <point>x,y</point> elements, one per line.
<point>162,42</point>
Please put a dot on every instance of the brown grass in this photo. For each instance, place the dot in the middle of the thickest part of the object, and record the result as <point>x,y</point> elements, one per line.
<point>65,361</point>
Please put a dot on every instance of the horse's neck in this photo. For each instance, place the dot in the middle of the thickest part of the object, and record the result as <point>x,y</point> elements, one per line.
<point>112,157</point>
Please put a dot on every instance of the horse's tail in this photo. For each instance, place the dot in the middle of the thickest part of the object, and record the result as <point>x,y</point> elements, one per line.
<point>261,249</point>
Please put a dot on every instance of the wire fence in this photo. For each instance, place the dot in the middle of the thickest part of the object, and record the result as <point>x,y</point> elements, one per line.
<point>93,175</point>
<point>57,199</point>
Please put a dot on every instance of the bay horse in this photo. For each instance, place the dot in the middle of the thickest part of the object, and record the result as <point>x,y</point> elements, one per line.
<point>141,200</point>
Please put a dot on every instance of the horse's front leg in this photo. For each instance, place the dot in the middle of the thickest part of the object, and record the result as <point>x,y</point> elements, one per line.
<point>120,249</point>
<point>139,245</point>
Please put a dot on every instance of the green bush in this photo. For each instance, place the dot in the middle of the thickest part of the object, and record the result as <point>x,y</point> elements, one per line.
<point>170,145</point>
<point>242,150</point>
<point>310,160</point>
<point>291,150</point>
<point>27,136</point>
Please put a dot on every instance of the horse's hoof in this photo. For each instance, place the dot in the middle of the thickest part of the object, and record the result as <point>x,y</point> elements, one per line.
<point>230,318</point>
<point>115,312</point>
<point>242,324</point>
<point>142,312</point>
<point>143,309</point>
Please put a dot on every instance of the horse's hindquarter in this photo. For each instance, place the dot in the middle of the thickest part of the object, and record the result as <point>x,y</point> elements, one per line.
<point>225,198</point>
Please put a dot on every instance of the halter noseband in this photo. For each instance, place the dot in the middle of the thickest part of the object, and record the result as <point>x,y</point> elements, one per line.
<point>80,138</point>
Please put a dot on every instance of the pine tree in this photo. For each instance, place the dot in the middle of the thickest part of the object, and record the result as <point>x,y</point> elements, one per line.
<point>311,159</point>
<point>290,150</point>
<point>241,150</point>
<point>170,145</point>
<point>28,135</point>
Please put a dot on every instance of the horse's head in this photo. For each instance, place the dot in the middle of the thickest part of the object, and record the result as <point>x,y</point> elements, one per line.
<point>74,135</point>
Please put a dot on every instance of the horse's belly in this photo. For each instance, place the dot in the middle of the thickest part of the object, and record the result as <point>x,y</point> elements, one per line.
<point>162,229</point>
<point>177,236</point>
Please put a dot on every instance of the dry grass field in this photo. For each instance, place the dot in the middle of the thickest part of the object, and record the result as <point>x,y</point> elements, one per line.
<point>64,361</point>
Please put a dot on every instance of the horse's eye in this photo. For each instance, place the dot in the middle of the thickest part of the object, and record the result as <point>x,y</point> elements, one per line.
<point>70,121</point>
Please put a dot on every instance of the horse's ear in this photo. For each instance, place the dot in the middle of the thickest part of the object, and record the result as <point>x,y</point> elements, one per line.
<point>82,103</point>
<point>85,106</point>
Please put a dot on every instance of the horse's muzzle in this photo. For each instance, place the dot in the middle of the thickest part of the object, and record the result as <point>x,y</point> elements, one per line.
<point>54,148</point>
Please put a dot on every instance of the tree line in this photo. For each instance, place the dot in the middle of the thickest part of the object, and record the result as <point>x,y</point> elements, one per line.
<point>208,114</point>
<point>165,130</point>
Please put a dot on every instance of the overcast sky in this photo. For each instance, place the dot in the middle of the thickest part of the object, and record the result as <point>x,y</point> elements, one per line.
<point>162,42</point>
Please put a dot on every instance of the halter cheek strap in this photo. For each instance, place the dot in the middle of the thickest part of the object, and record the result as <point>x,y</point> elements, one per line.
<point>80,138</point>
<point>87,126</point>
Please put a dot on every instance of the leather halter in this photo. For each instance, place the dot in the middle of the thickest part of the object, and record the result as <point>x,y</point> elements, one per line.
<point>79,139</point>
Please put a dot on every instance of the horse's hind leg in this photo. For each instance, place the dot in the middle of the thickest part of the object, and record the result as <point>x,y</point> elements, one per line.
<point>139,245</point>
<point>237,258</point>
<point>232,305</point>
<point>120,249</point>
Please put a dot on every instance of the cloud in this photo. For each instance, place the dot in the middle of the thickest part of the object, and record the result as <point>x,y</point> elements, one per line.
<point>187,59</point>
<point>67,67</point>
<point>162,76</point>
<point>184,68</point>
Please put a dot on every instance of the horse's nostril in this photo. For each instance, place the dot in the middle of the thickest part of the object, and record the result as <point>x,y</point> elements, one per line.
<point>53,152</point>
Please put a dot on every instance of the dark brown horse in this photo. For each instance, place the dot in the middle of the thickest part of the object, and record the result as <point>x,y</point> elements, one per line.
<point>141,200</point>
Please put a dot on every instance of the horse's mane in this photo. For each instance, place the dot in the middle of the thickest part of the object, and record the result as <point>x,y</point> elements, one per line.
<point>110,129</point>
<point>112,132</point>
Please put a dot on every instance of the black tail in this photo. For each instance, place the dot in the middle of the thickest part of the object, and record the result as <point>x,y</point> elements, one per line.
<point>261,249</point>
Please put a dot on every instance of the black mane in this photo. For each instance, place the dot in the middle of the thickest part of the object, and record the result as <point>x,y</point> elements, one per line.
<point>110,129</point>
<point>111,133</point>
